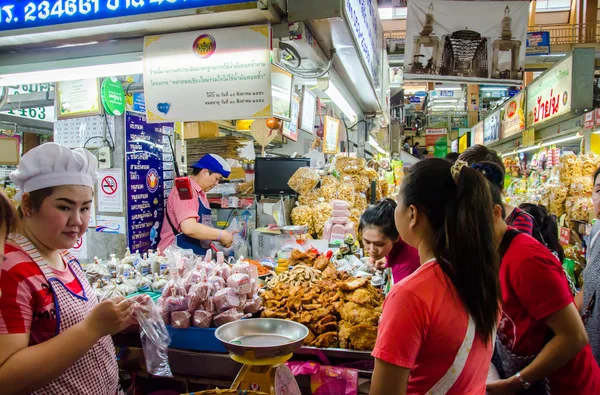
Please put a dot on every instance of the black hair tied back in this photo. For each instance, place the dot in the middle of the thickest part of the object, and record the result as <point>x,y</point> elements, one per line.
<point>381,216</point>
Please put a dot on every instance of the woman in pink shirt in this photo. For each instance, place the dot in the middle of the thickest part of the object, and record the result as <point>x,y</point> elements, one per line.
<point>437,329</point>
<point>383,243</point>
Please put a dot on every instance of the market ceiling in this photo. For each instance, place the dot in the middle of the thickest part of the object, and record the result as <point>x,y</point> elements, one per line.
<point>402,3</point>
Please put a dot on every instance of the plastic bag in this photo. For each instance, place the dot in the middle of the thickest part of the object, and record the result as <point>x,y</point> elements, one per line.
<point>303,180</point>
<point>198,294</point>
<point>181,319</point>
<point>154,336</point>
<point>327,379</point>
<point>228,316</point>
<point>226,299</point>
<point>240,283</point>
<point>96,271</point>
<point>202,319</point>
<point>317,159</point>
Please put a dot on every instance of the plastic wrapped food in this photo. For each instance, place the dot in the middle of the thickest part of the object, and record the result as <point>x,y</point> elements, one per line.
<point>252,306</point>
<point>321,213</point>
<point>181,319</point>
<point>303,216</point>
<point>195,276</point>
<point>329,192</point>
<point>361,202</point>
<point>197,295</point>
<point>303,180</point>
<point>340,213</point>
<point>154,336</point>
<point>241,267</point>
<point>346,192</point>
<point>127,286</point>
<point>240,283</point>
<point>327,180</point>
<point>310,198</point>
<point>208,305</point>
<point>570,167</point>
<point>202,319</point>
<point>590,163</point>
<point>340,205</point>
<point>228,316</point>
<point>346,164</point>
<point>371,174</point>
<point>143,283</point>
<point>581,186</point>
<point>216,282</point>
<point>355,215</point>
<point>226,299</point>
<point>579,209</point>
<point>159,283</point>
<point>96,271</point>
<point>361,183</point>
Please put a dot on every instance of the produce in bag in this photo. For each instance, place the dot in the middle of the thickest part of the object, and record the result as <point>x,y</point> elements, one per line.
<point>195,276</point>
<point>228,316</point>
<point>112,265</point>
<point>96,271</point>
<point>208,305</point>
<point>175,294</point>
<point>240,283</point>
<point>143,284</point>
<point>202,319</point>
<point>127,286</point>
<point>181,319</point>
<point>154,336</point>
<point>303,180</point>
<point>216,282</point>
<point>226,299</point>
<point>198,294</point>
<point>159,283</point>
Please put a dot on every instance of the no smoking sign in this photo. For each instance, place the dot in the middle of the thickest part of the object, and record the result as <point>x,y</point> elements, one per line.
<point>110,192</point>
<point>109,185</point>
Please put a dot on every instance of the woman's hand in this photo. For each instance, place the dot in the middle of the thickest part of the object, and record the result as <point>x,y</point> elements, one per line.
<point>379,264</point>
<point>504,387</point>
<point>226,239</point>
<point>110,316</point>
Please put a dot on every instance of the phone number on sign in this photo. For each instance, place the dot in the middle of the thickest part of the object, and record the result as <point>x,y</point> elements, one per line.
<point>63,9</point>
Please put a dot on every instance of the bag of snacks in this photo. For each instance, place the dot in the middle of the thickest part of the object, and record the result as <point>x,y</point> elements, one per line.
<point>361,183</point>
<point>361,202</point>
<point>321,213</point>
<point>303,216</point>
<point>329,192</point>
<point>347,192</point>
<point>303,180</point>
<point>202,319</point>
<point>240,283</point>
<point>349,165</point>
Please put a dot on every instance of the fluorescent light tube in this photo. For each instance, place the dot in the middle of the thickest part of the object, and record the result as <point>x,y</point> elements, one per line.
<point>561,140</point>
<point>70,74</point>
<point>485,89</point>
<point>532,148</point>
<point>339,100</point>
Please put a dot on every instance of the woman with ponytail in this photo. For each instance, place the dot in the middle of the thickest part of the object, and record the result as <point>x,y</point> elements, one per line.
<point>437,328</point>
<point>383,243</point>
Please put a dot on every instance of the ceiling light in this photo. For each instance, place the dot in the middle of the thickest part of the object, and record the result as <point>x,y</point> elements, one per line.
<point>452,88</point>
<point>436,101</point>
<point>493,89</point>
<point>339,100</point>
<point>562,140</point>
<point>70,74</point>
<point>532,148</point>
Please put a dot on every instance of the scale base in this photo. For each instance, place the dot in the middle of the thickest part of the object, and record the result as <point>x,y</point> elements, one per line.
<point>271,376</point>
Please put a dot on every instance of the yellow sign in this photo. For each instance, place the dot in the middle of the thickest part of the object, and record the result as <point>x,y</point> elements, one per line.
<point>243,125</point>
<point>463,143</point>
<point>595,143</point>
<point>528,137</point>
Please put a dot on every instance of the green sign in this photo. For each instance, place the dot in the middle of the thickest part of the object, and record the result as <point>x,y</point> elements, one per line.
<point>113,96</point>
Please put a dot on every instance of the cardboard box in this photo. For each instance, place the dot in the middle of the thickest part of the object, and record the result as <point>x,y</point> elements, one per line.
<point>195,130</point>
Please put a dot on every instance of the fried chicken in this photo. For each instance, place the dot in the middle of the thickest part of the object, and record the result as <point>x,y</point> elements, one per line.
<point>357,315</point>
<point>321,263</point>
<point>326,340</point>
<point>354,283</point>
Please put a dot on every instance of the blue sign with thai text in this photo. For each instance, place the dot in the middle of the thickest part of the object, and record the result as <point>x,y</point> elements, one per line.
<point>139,102</point>
<point>538,43</point>
<point>19,14</point>
<point>148,166</point>
<point>446,93</point>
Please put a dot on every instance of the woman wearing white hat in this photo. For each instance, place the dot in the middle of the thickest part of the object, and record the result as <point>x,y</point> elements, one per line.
<point>54,335</point>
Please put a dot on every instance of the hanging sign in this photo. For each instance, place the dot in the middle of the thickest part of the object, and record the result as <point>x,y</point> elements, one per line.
<point>16,14</point>
<point>588,120</point>
<point>149,164</point>
<point>331,136</point>
<point>110,191</point>
<point>549,95</point>
<point>309,107</point>
<point>113,96</point>
<point>477,134</point>
<point>436,141</point>
<point>491,128</point>
<point>77,98</point>
<point>513,116</point>
<point>219,74</point>
<point>538,43</point>
<point>79,250</point>
<point>565,235</point>
<point>281,91</point>
<point>290,129</point>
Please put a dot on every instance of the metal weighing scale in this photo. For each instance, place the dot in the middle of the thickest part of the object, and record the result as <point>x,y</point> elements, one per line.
<point>263,346</point>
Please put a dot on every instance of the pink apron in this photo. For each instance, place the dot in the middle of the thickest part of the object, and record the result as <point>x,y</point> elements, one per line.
<point>97,371</point>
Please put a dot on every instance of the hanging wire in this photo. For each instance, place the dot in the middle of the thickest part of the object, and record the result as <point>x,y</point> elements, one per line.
<point>292,61</point>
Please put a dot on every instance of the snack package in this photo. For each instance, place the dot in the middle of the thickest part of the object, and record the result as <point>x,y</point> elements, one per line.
<point>329,192</point>
<point>226,299</point>
<point>159,283</point>
<point>346,192</point>
<point>216,282</point>
<point>322,212</point>
<point>327,180</point>
<point>154,336</point>
<point>340,205</point>
<point>198,294</point>
<point>349,165</point>
<point>310,198</point>
<point>361,183</point>
<point>303,216</point>
<point>240,283</point>
<point>227,317</point>
<point>303,180</point>
<point>181,319</point>
<point>202,319</point>
<point>143,283</point>
<point>361,202</point>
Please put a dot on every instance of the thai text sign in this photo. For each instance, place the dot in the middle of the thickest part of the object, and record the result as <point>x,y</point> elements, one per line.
<point>550,95</point>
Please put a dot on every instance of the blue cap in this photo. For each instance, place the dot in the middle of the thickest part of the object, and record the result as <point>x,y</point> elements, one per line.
<point>214,163</point>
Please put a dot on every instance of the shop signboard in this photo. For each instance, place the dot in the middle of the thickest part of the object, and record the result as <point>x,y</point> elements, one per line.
<point>366,28</point>
<point>550,96</point>
<point>78,98</point>
<point>477,134</point>
<point>538,43</point>
<point>565,235</point>
<point>491,128</point>
<point>467,41</point>
<point>148,157</point>
<point>40,113</point>
<point>463,142</point>
<point>218,74</point>
<point>16,14</point>
<point>588,120</point>
<point>436,141</point>
<point>513,116</point>
<point>113,96</point>
<point>290,129</point>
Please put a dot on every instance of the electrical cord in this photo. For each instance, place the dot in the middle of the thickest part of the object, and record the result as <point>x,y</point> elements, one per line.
<point>111,144</point>
<point>308,74</point>
<point>91,138</point>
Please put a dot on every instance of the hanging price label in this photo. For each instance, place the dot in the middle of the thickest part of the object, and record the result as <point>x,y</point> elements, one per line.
<point>565,235</point>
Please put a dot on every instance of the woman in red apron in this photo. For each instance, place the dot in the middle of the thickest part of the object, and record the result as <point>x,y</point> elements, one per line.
<point>8,223</point>
<point>54,335</point>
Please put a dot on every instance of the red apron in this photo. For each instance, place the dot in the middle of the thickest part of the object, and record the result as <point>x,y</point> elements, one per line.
<point>97,371</point>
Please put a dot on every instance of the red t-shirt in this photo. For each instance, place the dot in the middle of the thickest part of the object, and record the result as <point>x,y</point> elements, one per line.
<point>534,286</point>
<point>403,260</point>
<point>27,303</point>
<point>423,325</point>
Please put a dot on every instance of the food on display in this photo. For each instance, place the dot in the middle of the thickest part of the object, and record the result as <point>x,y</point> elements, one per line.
<point>245,188</point>
<point>361,183</point>
<point>349,165</point>
<point>571,167</point>
<point>347,192</point>
<point>579,208</point>
<point>327,180</point>
<point>329,192</point>
<point>304,180</point>
<point>303,216</point>
<point>590,162</point>
<point>299,276</point>
<point>361,202</point>
<point>311,198</point>
<point>321,213</point>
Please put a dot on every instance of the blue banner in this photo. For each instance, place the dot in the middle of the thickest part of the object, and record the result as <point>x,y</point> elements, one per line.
<point>538,43</point>
<point>149,167</point>
<point>17,14</point>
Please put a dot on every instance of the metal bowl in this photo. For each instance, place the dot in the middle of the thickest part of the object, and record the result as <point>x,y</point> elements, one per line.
<point>262,338</point>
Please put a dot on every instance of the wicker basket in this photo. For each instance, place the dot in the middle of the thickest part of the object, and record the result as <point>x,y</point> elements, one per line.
<point>226,392</point>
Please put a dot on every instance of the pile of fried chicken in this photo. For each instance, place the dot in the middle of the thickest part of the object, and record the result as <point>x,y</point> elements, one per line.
<point>339,311</point>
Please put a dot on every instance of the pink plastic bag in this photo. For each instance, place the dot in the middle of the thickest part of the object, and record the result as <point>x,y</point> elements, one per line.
<point>226,299</point>
<point>202,319</point>
<point>325,380</point>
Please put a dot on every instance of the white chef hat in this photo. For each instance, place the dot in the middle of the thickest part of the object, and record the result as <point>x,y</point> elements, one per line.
<point>51,165</point>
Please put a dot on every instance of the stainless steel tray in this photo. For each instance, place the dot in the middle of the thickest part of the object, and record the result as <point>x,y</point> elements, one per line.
<point>262,338</point>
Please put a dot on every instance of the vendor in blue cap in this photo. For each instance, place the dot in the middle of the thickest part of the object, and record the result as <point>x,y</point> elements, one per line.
<point>188,222</point>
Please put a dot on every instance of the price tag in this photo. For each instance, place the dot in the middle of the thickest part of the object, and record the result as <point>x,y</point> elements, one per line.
<point>565,235</point>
